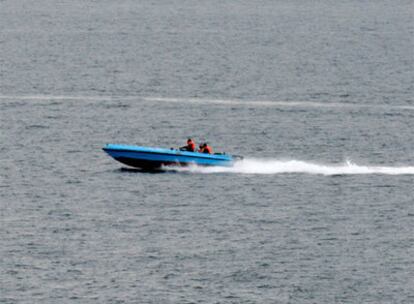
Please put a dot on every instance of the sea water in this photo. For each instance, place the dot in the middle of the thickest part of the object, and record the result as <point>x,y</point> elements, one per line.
<point>316,95</point>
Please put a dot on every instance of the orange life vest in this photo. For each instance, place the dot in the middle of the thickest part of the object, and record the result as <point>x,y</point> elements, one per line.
<point>191,146</point>
<point>206,149</point>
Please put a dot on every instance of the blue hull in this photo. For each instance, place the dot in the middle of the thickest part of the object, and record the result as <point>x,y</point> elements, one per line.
<point>154,158</point>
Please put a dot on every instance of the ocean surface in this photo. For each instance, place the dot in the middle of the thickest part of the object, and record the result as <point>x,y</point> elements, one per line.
<point>316,95</point>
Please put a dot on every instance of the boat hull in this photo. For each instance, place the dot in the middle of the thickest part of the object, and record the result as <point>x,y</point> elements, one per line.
<point>148,158</point>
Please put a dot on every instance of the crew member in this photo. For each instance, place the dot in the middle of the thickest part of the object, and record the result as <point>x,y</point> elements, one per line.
<point>191,146</point>
<point>205,148</point>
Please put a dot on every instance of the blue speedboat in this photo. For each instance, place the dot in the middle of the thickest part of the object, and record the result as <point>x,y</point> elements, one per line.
<point>148,158</point>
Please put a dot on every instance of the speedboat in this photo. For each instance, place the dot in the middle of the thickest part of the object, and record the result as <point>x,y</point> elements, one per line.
<point>149,158</point>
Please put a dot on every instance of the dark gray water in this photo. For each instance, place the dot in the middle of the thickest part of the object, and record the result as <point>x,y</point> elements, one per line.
<point>317,95</point>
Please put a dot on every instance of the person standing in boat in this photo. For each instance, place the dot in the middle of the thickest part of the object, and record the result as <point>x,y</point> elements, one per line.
<point>191,146</point>
<point>205,148</point>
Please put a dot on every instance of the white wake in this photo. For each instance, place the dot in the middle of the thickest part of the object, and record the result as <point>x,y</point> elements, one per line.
<point>269,166</point>
<point>209,101</point>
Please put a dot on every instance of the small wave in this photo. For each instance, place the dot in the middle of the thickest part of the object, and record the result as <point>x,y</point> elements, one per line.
<point>269,166</point>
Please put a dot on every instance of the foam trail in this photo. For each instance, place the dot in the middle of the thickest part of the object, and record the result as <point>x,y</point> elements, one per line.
<point>210,101</point>
<point>263,166</point>
<point>276,103</point>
